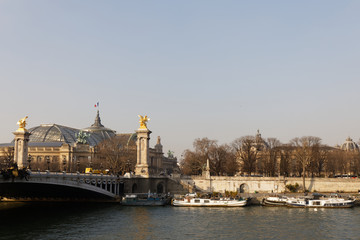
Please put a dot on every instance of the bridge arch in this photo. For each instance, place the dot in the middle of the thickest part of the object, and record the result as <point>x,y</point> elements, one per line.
<point>46,190</point>
<point>160,187</point>
<point>121,188</point>
<point>244,188</point>
<point>134,188</point>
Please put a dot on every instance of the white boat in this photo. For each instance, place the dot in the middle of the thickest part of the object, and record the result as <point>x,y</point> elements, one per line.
<point>321,201</point>
<point>276,201</point>
<point>145,199</point>
<point>205,202</point>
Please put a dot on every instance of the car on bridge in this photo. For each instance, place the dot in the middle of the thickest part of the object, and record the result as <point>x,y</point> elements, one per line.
<point>96,171</point>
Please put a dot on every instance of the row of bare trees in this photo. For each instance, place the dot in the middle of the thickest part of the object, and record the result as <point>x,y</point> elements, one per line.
<point>249,155</point>
<point>222,158</point>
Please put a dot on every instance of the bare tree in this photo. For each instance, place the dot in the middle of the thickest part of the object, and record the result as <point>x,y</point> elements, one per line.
<point>352,159</point>
<point>319,158</point>
<point>246,150</point>
<point>305,148</point>
<point>285,160</point>
<point>117,154</point>
<point>270,157</point>
<point>332,162</point>
<point>342,163</point>
<point>194,162</point>
<point>221,158</point>
<point>191,164</point>
<point>7,160</point>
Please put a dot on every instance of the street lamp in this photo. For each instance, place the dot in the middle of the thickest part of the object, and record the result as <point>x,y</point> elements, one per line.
<point>29,161</point>
<point>9,162</point>
<point>77,165</point>
<point>128,165</point>
<point>90,162</point>
<point>64,164</point>
<point>48,162</point>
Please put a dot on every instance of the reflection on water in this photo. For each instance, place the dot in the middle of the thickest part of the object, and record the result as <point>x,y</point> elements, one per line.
<point>142,223</point>
<point>112,221</point>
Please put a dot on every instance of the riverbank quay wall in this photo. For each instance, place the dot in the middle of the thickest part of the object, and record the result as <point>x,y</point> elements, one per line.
<point>267,184</point>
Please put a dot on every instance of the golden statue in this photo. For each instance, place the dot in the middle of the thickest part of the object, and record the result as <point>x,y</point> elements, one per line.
<point>143,121</point>
<point>22,124</point>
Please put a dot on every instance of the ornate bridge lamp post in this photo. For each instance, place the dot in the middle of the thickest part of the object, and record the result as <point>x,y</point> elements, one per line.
<point>29,161</point>
<point>90,162</point>
<point>48,162</point>
<point>77,165</point>
<point>64,164</point>
<point>128,164</point>
<point>9,162</point>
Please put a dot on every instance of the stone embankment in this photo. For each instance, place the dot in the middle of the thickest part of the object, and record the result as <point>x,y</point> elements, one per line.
<point>269,184</point>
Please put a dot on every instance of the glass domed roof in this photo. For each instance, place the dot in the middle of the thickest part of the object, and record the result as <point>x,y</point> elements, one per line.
<point>54,134</point>
<point>58,133</point>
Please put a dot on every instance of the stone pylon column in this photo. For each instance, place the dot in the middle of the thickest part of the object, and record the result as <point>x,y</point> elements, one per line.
<point>21,148</point>
<point>143,159</point>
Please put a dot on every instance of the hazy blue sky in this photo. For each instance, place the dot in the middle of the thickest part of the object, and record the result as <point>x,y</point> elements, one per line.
<point>216,69</point>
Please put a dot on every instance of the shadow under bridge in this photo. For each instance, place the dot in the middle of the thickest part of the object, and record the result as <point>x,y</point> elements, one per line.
<point>62,186</point>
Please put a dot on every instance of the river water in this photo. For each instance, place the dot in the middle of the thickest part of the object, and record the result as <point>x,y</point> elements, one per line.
<point>112,221</point>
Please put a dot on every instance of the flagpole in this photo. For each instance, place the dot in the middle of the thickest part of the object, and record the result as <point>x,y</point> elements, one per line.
<point>97,105</point>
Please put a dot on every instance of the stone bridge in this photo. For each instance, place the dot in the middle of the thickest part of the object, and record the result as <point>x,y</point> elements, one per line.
<point>59,186</point>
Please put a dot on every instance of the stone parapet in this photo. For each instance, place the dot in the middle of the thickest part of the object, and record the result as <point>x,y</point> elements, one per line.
<point>270,184</point>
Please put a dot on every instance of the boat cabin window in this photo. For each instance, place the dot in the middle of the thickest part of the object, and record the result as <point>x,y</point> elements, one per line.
<point>206,201</point>
<point>316,203</point>
<point>197,200</point>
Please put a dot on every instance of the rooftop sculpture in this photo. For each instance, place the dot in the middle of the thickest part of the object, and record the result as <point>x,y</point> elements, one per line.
<point>82,137</point>
<point>22,124</point>
<point>143,121</point>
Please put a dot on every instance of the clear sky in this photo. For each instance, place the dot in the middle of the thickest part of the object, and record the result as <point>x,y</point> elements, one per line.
<point>216,69</point>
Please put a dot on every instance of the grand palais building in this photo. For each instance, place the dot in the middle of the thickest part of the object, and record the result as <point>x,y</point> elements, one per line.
<point>60,148</point>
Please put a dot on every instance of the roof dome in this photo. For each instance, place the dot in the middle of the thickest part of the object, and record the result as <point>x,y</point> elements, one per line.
<point>99,129</point>
<point>349,145</point>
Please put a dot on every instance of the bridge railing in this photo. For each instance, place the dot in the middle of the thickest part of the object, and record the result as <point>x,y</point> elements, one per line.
<point>72,175</point>
<point>107,183</point>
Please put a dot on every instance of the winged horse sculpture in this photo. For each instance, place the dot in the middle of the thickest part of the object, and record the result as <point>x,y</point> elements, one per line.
<point>143,121</point>
<point>22,124</point>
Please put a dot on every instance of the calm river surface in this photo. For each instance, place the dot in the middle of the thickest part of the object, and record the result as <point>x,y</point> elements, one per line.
<point>112,221</point>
